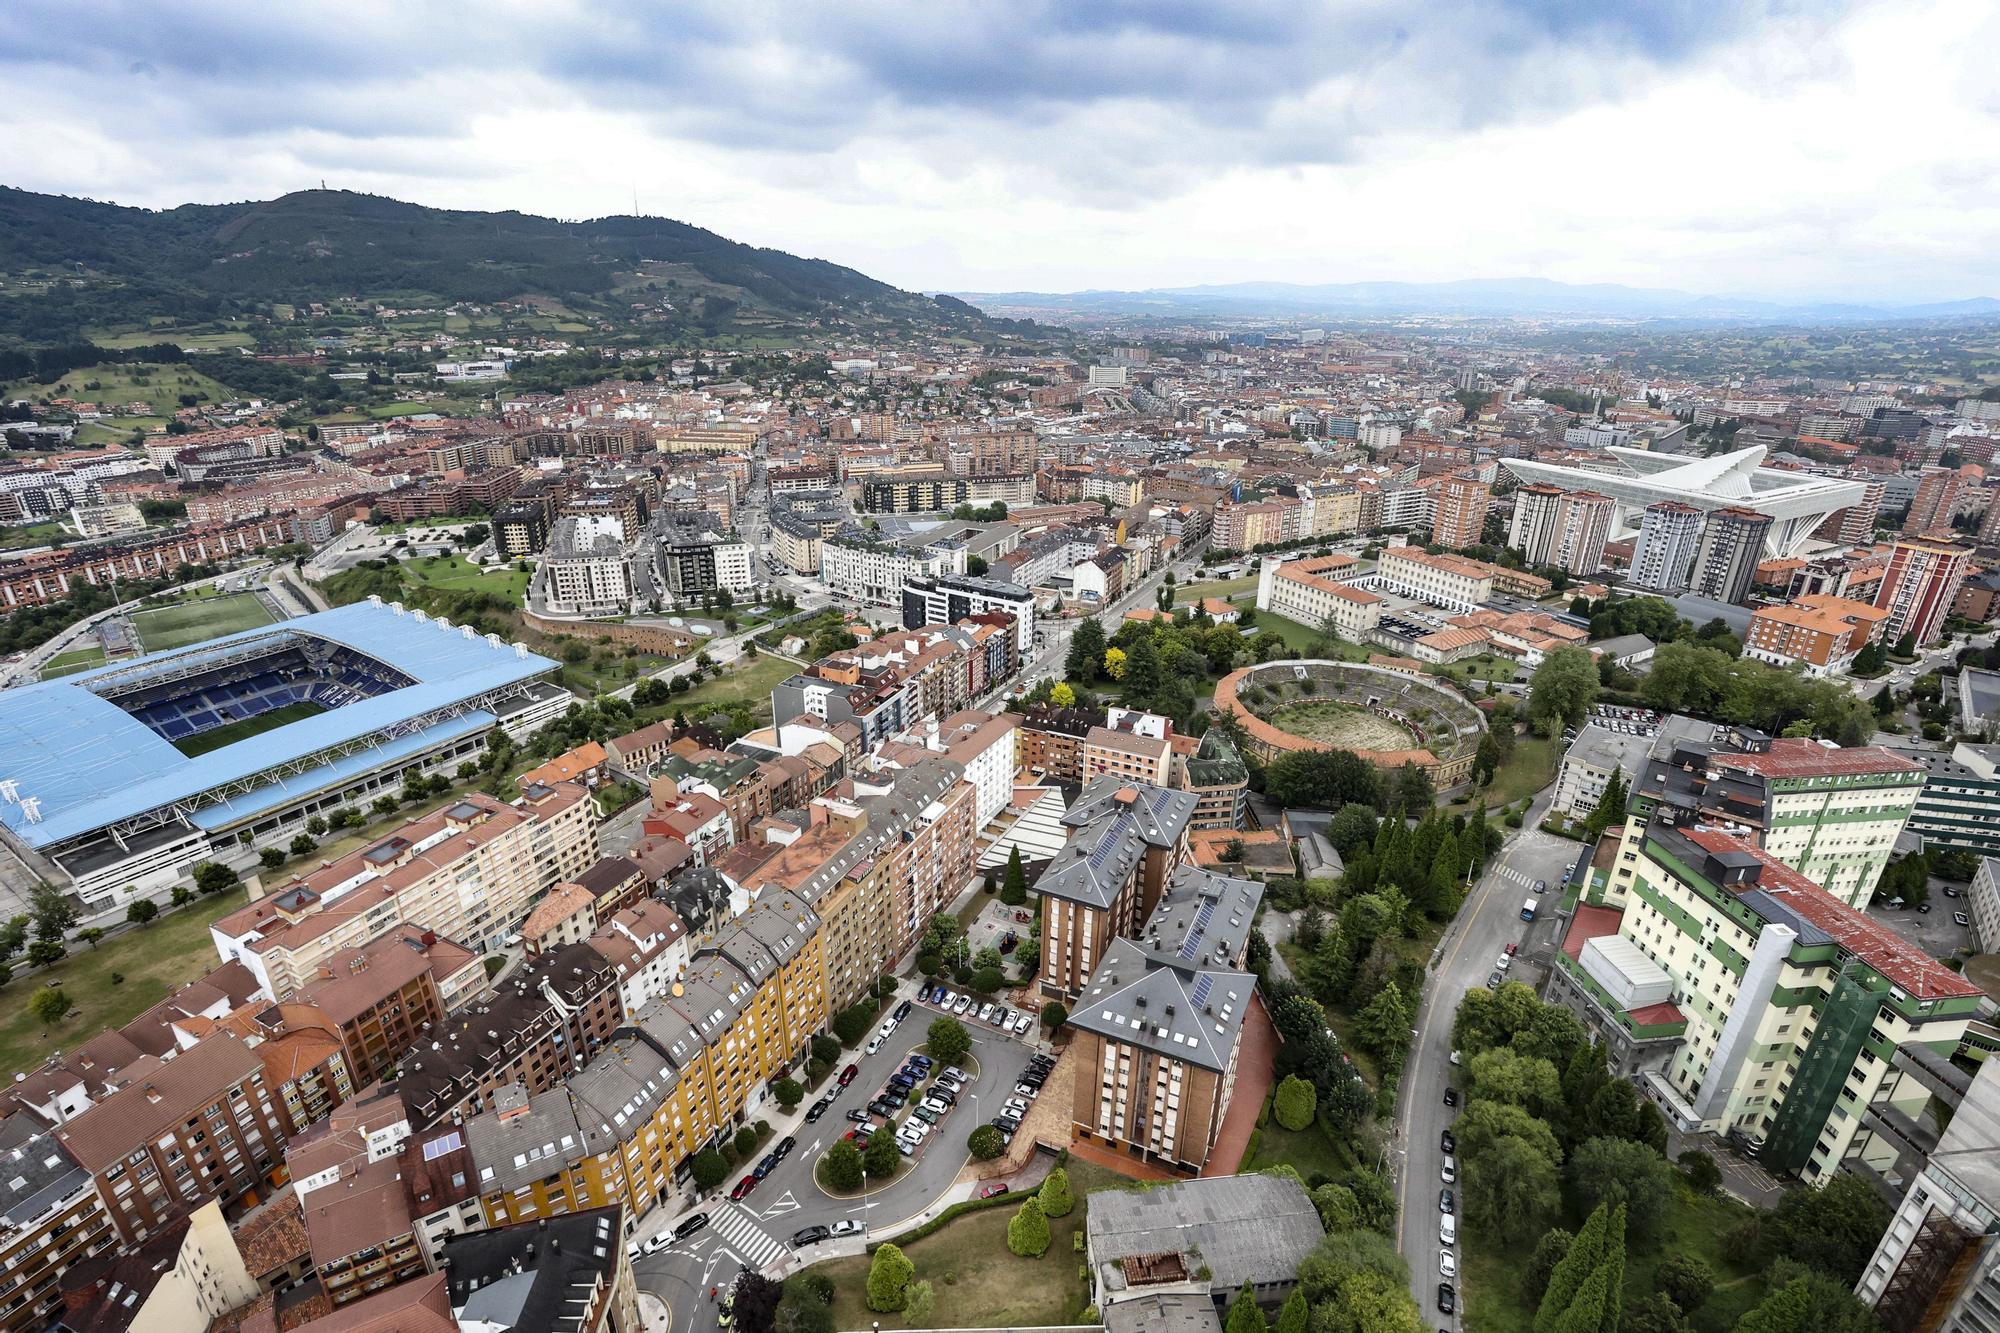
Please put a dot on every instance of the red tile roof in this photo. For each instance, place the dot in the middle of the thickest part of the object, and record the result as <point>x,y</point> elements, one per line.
<point>1901,962</point>
<point>1588,924</point>
<point>1655,1015</point>
<point>1797,757</point>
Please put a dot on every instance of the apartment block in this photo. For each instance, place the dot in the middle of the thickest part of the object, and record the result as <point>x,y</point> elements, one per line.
<point>1726,559</point>
<point>379,996</point>
<point>1919,589</point>
<point>1750,1002</point>
<point>53,1220</point>
<point>1819,634</point>
<point>1450,581</point>
<point>1669,537</point>
<point>1126,841</point>
<point>1460,511</point>
<point>469,872</point>
<point>1304,591</point>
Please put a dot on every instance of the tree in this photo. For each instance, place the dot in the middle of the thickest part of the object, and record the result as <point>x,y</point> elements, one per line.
<point>1114,663</point>
<point>1906,647</point>
<point>986,1142</point>
<point>1685,1280</point>
<point>1295,1103</point>
<point>1833,1228</point>
<point>919,1298</point>
<point>1548,1252</point>
<point>141,911</point>
<point>53,912</point>
<point>1061,695</point>
<point>1620,1172</point>
<point>1808,1302</point>
<point>1244,1316</point>
<point>1610,806</point>
<point>1511,1187</point>
<point>1014,888</point>
<point>843,1165</point>
<point>709,1169</point>
<point>889,1279</point>
<point>1086,652</point>
<point>1414,791</point>
<point>854,1022</point>
<point>1384,1026</point>
<point>271,858</point>
<point>1292,1318</point>
<point>1655,1314</point>
<point>49,1005</point>
<point>1562,690</point>
<point>1055,1194</point>
<point>789,1092</point>
<point>213,877</point>
<point>1505,1075</point>
<point>1028,1231</point>
<point>1054,1015</point>
<point>1586,1254</point>
<point>41,953</point>
<point>880,1158</point>
<point>1351,828</point>
<point>1703,1175</point>
<point>91,935</point>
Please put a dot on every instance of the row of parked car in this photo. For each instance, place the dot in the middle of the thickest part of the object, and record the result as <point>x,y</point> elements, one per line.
<point>1015,1109</point>
<point>961,1005</point>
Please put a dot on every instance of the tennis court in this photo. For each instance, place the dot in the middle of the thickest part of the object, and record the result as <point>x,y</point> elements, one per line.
<point>192,622</point>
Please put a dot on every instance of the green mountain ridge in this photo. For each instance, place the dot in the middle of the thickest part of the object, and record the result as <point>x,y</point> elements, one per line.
<point>115,266</point>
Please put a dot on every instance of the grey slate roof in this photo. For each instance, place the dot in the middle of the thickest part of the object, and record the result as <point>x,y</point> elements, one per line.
<point>35,1172</point>
<point>1194,1015</point>
<point>1245,1228</point>
<point>1110,832</point>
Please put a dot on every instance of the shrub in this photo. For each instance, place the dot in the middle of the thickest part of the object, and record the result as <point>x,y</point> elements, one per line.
<point>1028,1232</point>
<point>987,980</point>
<point>852,1023</point>
<point>889,1280</point>
<point>49,1005</point>
<point>1054,1195</point>
<point>746,1141</point>
<point>986,1142</point>
<point>1295,1103</point>
<point>843,1165</point>
<point>880,1158</point>
<point>1054,1016</point>
<point>825,1049</point>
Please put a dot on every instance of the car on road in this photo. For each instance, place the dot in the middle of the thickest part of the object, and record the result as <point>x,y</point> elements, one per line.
<point>1513,947</point>
<point>689,1225</point>
<point>743,1187</point>
<point>805,1236</point>
<point>845,1227</point>
<point>652,1246</point>
<point>1960,919</point>
<point>888,1026</point>
<point>847,1074</point>
<point>902,1011</point>
<point>875,1045</point>
<point>818,1109</point>
<point>784,1147</point>
<point>860,1115</point>
<point>1503,962</point>
<point>993,1191</point>
<point>1924,908</point>
<point>1493,979</point>
<point>765,1165</point>
<point>1450,1096</point>
<point>1446,1203</point>
<point>1449,1171</point>
<point>1447,1228</point>
<point>1950,892</point>
<point>1447,1298</point>
<point>1447,1264</point>
<point>1446,1142</point>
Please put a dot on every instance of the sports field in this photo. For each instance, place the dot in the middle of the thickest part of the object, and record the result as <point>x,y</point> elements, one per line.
<point>231,732</point>
<point>191,622</point>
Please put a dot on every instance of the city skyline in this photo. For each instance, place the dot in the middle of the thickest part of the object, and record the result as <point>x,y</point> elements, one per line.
<point>1757,151</point>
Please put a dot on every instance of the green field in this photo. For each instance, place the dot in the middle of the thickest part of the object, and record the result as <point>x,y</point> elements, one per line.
<point>192,622</point>
<point>157,386</point>
<point>457,574</point>
<point>231,732</point>
<point>1224,588</point>
<point>1530,768</point>
<point>76,659</point>
<point>979,1282</point>
<point>739,683</point>
<point>149,963</point>
<point>31,534</point>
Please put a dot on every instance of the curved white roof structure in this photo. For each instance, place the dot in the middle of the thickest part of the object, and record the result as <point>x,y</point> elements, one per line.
<point>1797,501</point>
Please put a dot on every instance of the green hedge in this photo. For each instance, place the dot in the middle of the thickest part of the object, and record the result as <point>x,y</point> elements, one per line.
<point>956,1210</point>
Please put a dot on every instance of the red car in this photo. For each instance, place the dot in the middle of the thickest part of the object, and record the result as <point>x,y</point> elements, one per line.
<point>847,1074</point>
<point>1511,947</point>
<point>743,1187</point>
<point>992,1190</point>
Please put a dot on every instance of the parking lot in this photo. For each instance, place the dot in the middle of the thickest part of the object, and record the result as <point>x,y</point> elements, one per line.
<point>1937,931</point>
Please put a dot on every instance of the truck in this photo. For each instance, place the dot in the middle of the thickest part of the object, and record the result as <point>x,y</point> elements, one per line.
<point>1528,909</point>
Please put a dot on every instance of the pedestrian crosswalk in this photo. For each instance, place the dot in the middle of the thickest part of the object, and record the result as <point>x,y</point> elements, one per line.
<point>750,1242</point>
<point>1521,877</point>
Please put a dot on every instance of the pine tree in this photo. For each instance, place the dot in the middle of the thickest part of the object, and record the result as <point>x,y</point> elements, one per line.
<point>1014,889</point>
<point>1244,1316</point>
<point>1028,1231</point>
<point>1586,1310</point>
<point>1586,1252</point>
<point>1292,1319</point>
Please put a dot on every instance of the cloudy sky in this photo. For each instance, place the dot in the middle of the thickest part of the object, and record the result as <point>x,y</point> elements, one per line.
<point>1785,148</point>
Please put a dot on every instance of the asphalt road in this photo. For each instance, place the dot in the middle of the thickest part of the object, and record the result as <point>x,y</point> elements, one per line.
<point>757,1232</point>
<point>1489,920</point>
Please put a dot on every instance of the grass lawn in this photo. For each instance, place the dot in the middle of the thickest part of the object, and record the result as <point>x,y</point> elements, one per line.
<point>76,659</point>
<point>1224,588</point>
<point>158,386</point>
<point>739,683</point>
<point>209,618</point>
<point>231,732</point>
<point>457,574</point>
<point>31,534</point>
<point>1486,666</point>
<point>1312,1151</point>
<point>1531,768</point>
<point>174,949</point>
<point>980,1283</point>
<point>1490,1282</point>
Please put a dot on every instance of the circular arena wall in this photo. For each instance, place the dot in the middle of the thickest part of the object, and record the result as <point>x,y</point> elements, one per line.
<point>1446,726</point>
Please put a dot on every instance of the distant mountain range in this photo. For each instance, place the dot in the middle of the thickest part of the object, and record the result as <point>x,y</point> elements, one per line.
<point>128,266</point>
<point>1476,296</point>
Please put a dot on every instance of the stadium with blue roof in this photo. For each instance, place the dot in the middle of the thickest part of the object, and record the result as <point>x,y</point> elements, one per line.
<point>116,781</point>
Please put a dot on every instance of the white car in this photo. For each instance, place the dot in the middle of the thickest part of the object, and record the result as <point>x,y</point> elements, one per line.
<point>963,1003</point>
<point>1022,1022</point>
<point>1450,1171</point>
<point>1016,1105</point>
<point>876,1045</point>
<point>849,1227</point>
<point>1447,1264</point>
<point>888,1026</point>
<point>1504,963</point>
<point>933,1104</point>
<point>985,1013</point>
<point>915,1129</point>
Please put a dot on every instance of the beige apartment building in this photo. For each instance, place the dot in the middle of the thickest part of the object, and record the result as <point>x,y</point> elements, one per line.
<point>471,872</point>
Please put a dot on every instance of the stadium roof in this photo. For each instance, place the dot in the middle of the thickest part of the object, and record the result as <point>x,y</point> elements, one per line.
<point>1797,501</point>
<point>89,763</point>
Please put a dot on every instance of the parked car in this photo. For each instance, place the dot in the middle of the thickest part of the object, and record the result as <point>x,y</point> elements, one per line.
<point>1447,1298</point>
<point>1027,1090</point>
<point>765,1165</point>
<point>1451,1096</point>
<point>992,1191</point>
<point>1504,962</point>
<point>883,1106</point>
<point>784,1147</point>
<point>1493,979</point>
<point>957,1075</point>
<point>845,1227</point>
<point>858,1115</point>
<point>888,1026</point>
<point>927,1114</point>
<point>941,1105</point>
<point>809,1236</point>
<point>1015,1105</point>
<point>961,1004</point>
<point>1446,1203</point>
<point>1960,918</point>
<point>818,1109</point>
<point>689,1225</point>
<point>902,1011</point>
<point>875,1044</point>
<point>1446,1141</point>
<point>1022,1022</point>
<point>743,1187</point>
<point>847,1074</point>
<point>985,1012</point>
<point>1449,1171</point>
<point>1513,947</point>
<point>921,1061</point>
<point>1447,1264</point>
<point>1001,1017</point>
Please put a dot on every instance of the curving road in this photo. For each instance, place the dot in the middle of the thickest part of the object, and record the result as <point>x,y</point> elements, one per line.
<point>757,1232</point>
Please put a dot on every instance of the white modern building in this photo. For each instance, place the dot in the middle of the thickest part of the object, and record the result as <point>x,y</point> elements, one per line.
<point>1796,501</point>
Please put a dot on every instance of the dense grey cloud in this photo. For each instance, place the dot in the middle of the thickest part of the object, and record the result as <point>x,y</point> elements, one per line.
<point>1044,143</point>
